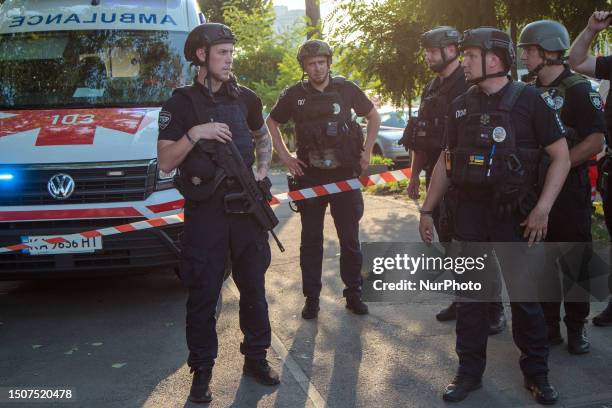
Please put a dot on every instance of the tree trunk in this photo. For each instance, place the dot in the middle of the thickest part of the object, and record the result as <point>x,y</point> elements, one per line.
<point>313,13</point>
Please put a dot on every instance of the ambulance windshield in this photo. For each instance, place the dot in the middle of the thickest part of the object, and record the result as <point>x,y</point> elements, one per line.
<point>90,68</point>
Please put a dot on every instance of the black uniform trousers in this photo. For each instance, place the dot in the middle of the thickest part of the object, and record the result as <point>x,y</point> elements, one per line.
<point>570,221</point>
<point>346,210</point>
<point>476,221</point>
<point>442,223</point>
<point>210,236</point>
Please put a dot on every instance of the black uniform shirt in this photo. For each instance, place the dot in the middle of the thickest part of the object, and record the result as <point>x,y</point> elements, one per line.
<point>178,115</point>
<point>535,123</point>
<point>458,86</point>
<point>582,107</point>
<point>292,100</point>
<point>603,70</point>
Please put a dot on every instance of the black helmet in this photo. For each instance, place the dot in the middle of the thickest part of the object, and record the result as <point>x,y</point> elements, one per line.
<point>440,37</point>
<point>548,35</point>
<point>206,35</point>
<point>493,40</point>
<point>314,48</point>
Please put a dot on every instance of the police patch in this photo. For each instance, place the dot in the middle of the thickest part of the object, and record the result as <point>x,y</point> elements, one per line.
<point>596,100</point>
<point>164,119</point>
<point>558,102</point>
<point>548,99</point>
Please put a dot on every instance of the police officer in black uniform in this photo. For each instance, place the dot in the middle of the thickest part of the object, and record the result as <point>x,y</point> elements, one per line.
<point>216,108</point>
<point>544,44</point>
<point>598,67</point>
<point>330,148</point>
<point>424,136</point>
<point>495,133</point>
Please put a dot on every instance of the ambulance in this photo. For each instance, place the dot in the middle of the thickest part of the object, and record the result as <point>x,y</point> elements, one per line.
<point>81,86</point>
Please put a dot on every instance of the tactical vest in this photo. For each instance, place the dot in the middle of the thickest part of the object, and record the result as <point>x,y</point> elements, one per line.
<point>326,136</point>
<point>426,131</point>
<point>198,175</point>
<point>485,155</point>
<point>555,99</point>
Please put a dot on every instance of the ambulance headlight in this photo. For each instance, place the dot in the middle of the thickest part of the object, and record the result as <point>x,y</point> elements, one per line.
<point>164,180</point>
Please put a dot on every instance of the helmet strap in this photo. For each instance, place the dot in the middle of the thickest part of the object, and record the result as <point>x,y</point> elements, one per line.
<point>484,76</point>
<point>445,61</point>
<point>546,62</point>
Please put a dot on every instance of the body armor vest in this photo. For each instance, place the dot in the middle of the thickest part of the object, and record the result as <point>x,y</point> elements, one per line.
<point>199,175</point>
<point>327,138</point>
<point>486,155</point>
<point>426,131</point>
<point>555,98</point>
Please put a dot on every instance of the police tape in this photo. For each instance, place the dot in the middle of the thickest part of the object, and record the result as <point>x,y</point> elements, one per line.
<point>297,195</point>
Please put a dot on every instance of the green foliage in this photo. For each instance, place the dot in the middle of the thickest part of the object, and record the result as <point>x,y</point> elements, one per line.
<point>264,60</point>
<point>378,159</point>
<point>214,9</point>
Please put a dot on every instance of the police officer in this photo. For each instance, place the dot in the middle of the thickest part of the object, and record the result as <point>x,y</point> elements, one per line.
<point>424,135</point>
<point>216,108</point>
<point>330,148</point>
<point>544,44</point>
<point>601,68</point>
<point>494,135</point>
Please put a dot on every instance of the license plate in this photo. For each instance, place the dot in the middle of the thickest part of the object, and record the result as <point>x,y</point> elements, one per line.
<point>38,245</point>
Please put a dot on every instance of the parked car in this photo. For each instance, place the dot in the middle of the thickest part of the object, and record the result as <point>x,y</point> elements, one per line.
<point>393,122</point>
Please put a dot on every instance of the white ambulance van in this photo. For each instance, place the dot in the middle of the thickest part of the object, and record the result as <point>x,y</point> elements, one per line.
<point>81,86</point>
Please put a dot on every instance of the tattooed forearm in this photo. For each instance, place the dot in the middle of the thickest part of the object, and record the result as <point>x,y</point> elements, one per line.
<point>263,148</point>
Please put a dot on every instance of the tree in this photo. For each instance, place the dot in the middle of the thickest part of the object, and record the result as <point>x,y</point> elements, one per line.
<point>264,60</point>
<point>379,42</point>
<point>313,17</point>
<point>214,9</point>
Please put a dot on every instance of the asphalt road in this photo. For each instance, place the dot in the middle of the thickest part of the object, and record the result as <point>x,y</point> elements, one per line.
<point>120,342</point>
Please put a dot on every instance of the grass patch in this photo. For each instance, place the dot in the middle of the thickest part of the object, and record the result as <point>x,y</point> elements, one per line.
<point>598,223</point>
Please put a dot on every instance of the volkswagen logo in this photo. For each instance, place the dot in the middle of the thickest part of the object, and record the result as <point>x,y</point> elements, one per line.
<point>60,186</point>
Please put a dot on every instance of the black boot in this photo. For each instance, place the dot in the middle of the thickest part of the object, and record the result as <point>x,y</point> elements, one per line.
<point>355,304</point>
<point>540,388</point>
<point>497,321</point>
<point>605,317</point>
<point>261,371</point>
<point>460,388</point>
<point>577,341</point>
<point>447,314</point>
<point>311,308</point>
<point>200,390</point>
<point>554,335</point>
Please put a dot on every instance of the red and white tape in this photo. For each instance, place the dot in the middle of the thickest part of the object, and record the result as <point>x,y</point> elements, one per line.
<point>297,195</point>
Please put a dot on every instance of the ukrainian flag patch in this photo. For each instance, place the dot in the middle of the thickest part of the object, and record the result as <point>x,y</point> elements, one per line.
<point>476,160</point>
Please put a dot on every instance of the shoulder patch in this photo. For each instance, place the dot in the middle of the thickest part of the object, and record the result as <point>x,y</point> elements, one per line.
<point>548,99</point>
<point>164,119</point>
<point>596,100</point>
<point>284,92</point>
